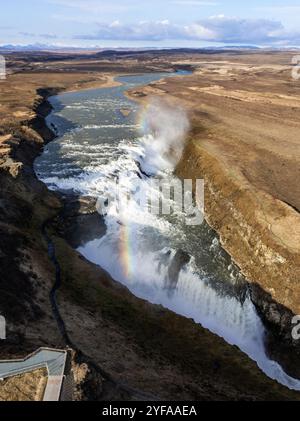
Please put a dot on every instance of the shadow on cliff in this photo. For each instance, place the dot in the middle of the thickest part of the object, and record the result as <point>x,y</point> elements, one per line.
<point>280,345</point>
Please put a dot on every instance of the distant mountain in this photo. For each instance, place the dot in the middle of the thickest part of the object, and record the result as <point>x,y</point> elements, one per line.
<point>236,47</point>
<point>29,47</point>
<point>122,50</point>
<point>42,47</point>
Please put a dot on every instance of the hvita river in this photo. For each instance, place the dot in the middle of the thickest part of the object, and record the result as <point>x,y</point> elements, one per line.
<point>100,138</point>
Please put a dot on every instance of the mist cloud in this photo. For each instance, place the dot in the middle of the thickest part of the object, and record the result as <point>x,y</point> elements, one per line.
<point>165,129</point>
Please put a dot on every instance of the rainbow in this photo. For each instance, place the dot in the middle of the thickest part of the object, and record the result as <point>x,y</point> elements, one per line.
<point>142,120</point>
<point>125,250</point>
<point>126,240</point>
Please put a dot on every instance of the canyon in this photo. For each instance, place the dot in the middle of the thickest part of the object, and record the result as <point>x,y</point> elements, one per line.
<point>103,318</point>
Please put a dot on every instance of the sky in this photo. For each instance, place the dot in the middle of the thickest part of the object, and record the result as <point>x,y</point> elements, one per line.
<point>151,23</point>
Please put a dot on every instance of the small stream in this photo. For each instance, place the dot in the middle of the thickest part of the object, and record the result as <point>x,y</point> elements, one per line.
<point>102,135</point>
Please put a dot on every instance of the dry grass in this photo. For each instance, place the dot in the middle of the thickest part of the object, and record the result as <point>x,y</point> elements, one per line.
<point>26,387</point>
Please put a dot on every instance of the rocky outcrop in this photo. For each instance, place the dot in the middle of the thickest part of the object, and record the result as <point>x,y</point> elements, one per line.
<point>178,262</point>
<point>79,222</point>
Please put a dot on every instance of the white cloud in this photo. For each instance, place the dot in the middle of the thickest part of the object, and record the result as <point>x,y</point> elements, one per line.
<point>200,32</point>
<point>145,30</point>
<point>215,29</point>
<point>34,35</point>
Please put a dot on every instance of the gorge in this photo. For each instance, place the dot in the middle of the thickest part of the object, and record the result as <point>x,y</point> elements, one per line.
<point>96,143</point>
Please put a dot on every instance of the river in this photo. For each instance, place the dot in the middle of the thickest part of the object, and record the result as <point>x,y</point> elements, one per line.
<point>101,136</point>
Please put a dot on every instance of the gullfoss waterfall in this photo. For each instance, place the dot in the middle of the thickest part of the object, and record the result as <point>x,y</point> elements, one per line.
<point>158,256</point>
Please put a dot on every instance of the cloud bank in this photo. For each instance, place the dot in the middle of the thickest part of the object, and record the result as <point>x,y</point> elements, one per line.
<point>214,29</point>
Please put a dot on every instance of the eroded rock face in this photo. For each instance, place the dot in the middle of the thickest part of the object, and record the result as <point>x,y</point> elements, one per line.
<point>280,344</point>
<point>80,222</point>
<point>180,259</point>
<point>87,382</point>
<point>244,218</point>
<point>235,211</point>
<point>26,277</point>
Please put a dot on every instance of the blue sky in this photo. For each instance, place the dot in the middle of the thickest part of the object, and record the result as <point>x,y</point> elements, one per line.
<point>137,23</point>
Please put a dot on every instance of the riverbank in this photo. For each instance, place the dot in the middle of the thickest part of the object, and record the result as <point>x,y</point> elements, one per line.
<point>165,354</point>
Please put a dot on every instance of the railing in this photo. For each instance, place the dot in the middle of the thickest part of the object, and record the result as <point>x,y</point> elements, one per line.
<point>52,359</point>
